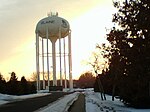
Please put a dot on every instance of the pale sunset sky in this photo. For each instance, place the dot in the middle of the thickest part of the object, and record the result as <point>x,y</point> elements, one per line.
<point>18,19</point>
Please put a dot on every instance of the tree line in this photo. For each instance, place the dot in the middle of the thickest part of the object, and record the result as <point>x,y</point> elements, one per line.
<point>128,74</point>
<point>15,87</point>
<point>86,80</point>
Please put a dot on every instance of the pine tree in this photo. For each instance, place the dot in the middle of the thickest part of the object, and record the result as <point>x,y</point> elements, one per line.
<point>12,85</point>
<point>130,56</point>
<point>24,86</point>
<point>2,84</point>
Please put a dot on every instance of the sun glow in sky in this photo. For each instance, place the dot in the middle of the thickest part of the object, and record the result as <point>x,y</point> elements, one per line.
<point>18,19</point>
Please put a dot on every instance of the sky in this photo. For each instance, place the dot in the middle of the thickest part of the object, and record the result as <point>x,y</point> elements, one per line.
<point>88,20</point>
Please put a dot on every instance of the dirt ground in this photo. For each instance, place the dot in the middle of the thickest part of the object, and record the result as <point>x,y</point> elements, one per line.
<point>79,104</point>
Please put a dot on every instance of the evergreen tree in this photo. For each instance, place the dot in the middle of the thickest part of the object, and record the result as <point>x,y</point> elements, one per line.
<point>129,54</point>
<point>32,88</point>
<point>24,86</point>
<point>2,84</point>
<point>12,85</point>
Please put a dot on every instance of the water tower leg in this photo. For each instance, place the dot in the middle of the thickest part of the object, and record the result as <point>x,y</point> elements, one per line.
<point>43,63</point>
<point>54,64</point>
<point>47,60</point>
<point>70,62</point>
<point>65,63</point>
<point>37,62</point>
<point>60,56</point>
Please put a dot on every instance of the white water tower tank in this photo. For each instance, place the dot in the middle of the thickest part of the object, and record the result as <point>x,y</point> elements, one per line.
<point>53,24</point>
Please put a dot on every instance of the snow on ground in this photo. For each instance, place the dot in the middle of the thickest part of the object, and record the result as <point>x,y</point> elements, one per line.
<point>95,104</point>
<point>61,105</point>
<point>4,98</point>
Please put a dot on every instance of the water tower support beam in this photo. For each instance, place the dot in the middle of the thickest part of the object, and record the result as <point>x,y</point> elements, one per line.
<point>60,56</point>
<point>43,63</point>
<point>70,61</point>
<point>54,63</point>
<point>37,62</point>
<point>65,62</point>
<point>47,58</point>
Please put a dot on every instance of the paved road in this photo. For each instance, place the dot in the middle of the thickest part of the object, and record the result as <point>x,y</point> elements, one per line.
<point>78,105</point>
<point>32,104</point>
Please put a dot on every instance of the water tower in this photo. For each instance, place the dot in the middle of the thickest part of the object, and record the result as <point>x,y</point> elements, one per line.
<point>53,28</point>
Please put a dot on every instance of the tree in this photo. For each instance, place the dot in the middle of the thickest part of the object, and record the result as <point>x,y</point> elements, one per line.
<point>12,85</point>
<point>130,56</point>
<point>2,84</point>
<point>98,66</point>
<point>86,80</point>
<point>32,88</point>
<point>24,86</point>
<point>15,87</point>
<point>117,56</point>
<point>13,77</point>
<point>34,76</point>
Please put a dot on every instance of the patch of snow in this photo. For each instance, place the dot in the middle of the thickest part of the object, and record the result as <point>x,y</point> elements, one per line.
<point>66,90</point>
<point>95,104</point>
<point>4,98</point>
<point>61,105</point>
<point>43,91</point>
